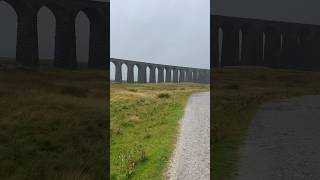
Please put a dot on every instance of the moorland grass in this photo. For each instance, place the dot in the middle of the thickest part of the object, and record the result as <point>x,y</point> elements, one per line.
<point>237,94</point>
<point>144,126</point>
<point>53,124</point>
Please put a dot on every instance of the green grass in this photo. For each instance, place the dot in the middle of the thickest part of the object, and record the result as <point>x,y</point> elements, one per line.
<point>144,126</point>
<point>238,92</point>
<point>53,124</point>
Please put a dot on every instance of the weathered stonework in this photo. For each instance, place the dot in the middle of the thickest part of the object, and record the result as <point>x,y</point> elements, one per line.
<point>65,12</point>
<point>286,45</point>
<point>194,75</point>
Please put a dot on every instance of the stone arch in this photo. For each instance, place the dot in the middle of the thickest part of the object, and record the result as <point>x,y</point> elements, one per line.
<point>135,72</point>
<point>112,71</point>
<point>229,44</point>
<point>46,28</point>
<point>305,58</point>
<point>247,48</point>
<point>8,14</point>
<point>156,74</point>
<point>124,70</point>
<point>172,73</point>
<point>97,36</point>
<point>148,74</point>
<point>164,75</point>
<point>182,75</point>
<point>82,29</point>
<point>15,5</point>
<point>272,46</point>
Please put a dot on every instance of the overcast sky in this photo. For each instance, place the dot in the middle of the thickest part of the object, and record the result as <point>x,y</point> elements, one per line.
<point>303,11</point>
<point>175,32</point>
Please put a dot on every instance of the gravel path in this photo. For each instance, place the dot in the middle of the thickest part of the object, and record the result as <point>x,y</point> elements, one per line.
<point>283,142</point>
<point>191,159</point>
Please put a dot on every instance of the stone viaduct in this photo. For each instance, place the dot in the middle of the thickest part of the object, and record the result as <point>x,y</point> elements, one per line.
<point>65,12</point>
<point>241,41</point>
<point>165,73</point>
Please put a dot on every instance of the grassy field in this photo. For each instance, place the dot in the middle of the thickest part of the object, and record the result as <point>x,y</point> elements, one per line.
<point>144,126</point>
<point>238,92</point>
<point>53,124</point>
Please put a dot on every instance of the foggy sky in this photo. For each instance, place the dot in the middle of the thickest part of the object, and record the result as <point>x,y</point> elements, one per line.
<point>174,32</point>
<point>303,11</point>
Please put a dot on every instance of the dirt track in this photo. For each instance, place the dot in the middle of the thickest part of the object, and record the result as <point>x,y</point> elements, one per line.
<point>191,160</point>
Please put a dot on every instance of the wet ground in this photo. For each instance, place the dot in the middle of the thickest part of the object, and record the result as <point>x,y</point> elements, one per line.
<point>283,142</point>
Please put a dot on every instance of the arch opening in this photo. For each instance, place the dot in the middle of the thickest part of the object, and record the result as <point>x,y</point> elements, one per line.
<point>172,74</point>
<point>8,35</point>
<point>156,76</point>
<point>124,71</point>
<point>135,73</point>
<point>148,74</point>
<point>46,34</point>
<point>82,28</point>
<point>112,71</point>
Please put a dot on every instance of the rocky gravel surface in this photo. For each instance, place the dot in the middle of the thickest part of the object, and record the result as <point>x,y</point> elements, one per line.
<point>191,159</point>
<point>283,142</point>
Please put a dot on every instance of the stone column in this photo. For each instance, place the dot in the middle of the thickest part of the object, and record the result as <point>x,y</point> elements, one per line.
<point>168,74</point>
<point>27,38</point>
<point>315,49</point>
<point>189,75</point>
<point>175,75</point>
<point>118,66</point>
<point>272,47</point>
<point>306,48</point>
<point>251,39</point>
<point>214,40</point>
<point>259,49</point>
<point>182,76</point>
<point>99,42</point>
<point>152,74</point>
<point>207,79</point>
<point>130,75</point>
<point>195,76</point>
<point>65,41</point>
<point>160,74</point>
<point>290,48</point>
<point>142,73</point>
<point>201,76</point>
<point>230,56</point>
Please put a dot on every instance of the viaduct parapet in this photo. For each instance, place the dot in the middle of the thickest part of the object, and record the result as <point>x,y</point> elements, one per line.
<point>165,73</point>
<point>262,42</point>
<point>65,12</point>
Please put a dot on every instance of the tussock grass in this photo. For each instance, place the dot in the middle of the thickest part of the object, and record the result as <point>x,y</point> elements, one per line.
<point>144,125</point>
<point>237,93</point>
<point>53,124</point>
